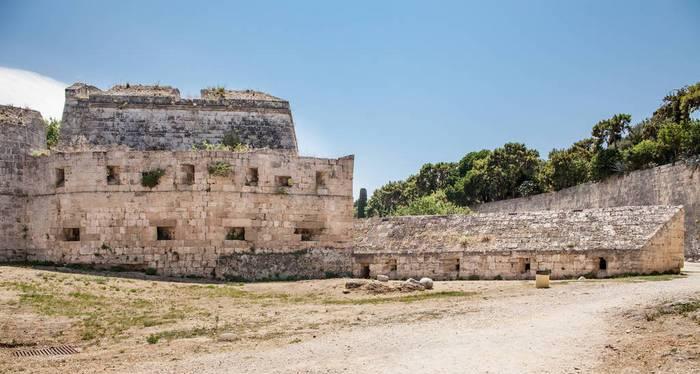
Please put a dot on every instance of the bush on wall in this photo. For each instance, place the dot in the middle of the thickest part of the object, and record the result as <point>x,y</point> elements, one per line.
<point>151,178</point>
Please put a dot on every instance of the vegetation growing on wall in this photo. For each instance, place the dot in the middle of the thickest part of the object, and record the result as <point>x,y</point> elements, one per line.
<point>220,169</point>
<point>151,178</point>
<point>513,170</point>
<point>230,143</point>
<point>53,130</point>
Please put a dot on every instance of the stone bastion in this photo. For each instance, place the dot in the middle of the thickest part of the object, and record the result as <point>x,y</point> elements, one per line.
<point>126,189</point>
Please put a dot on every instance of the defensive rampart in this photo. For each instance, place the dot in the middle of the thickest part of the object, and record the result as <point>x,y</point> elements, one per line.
<point>677,184</point>
<point>156,118</point>
<point>593,242</point>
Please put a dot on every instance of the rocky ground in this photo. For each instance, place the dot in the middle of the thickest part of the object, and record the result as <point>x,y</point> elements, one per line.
<point>139,324</point>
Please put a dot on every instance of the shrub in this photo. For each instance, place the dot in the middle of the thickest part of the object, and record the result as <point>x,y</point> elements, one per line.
<point>151,178</point>
<point>220,169</point>
<point>152,339</point>
<point>473,277</point>
<point>206,146</point>
<point>231,139</point>
<point>53,130</point>
<point>151,271</point>
<point>435,203</point>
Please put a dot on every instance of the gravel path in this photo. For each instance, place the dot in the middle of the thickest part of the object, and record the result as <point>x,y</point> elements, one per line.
<point>559,330</point>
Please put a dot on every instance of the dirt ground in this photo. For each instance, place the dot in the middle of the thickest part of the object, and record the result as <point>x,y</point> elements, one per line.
<point>131,323</point>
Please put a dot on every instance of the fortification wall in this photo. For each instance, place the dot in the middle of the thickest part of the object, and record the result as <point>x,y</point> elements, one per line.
<point>22,131</point>
<point>90,208</point>
<point>596,242</point>
<point>156,118</point>
<point>677,184</point>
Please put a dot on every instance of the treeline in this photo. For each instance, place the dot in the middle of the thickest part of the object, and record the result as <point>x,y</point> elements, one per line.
<point>513,170</point>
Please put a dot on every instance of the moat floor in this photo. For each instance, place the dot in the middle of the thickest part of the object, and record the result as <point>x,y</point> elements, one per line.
<point>139,324</point>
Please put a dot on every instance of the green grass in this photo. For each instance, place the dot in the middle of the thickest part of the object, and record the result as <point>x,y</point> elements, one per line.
<point>649,278</point>
<point>99,316</point>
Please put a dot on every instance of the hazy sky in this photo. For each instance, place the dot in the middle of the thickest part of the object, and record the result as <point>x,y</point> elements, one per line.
<point>397,83</point>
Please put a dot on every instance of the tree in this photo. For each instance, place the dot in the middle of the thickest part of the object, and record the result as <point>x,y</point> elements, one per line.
<point>646,153</point>
<point>674,137</point>
<point>467,162</point>
<point>435,203</point>
<point>610,131</point>
<point>679,104</point>
<point>606,162</point>
<point>507,168</point>
<point>386,199</point>
<point>362,203</point>
<point>433,177</point>
<point>567,168</point>
<point>53,130</point>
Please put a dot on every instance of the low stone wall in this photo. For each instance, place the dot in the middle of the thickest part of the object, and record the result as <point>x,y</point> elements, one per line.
<point>677,184</point>
<point>595,242</point>
<point>302,264</point>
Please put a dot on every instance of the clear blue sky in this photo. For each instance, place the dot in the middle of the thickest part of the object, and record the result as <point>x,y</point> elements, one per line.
<point>397,83</point>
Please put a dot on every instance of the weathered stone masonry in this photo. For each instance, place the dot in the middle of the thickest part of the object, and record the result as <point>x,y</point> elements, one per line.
<point>22,131</point>
<point>596,242</point>
<point>156,118</point>
<point>206,218</point>
<point>269,213</point>
<point>677,184</point>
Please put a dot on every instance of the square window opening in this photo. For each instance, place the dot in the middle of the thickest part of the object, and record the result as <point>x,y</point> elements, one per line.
<point>71,234</point>
<point>165,233</point>
<point>307,235</point>
<point>235,233</point>
<point>283,181</point>
<point>187,174</point>
<point>251,177</point>
<point>320,179</point>
<point>113,175</point>
<point>526,267</point>
<point>60,177</point>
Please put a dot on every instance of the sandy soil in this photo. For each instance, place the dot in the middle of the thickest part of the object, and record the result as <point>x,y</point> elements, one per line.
<point>312,327</point>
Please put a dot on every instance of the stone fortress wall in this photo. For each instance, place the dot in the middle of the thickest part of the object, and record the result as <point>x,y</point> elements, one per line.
<point>677,184</point>
<point>269,213</point>
<point>156,118</point>
<point>90,208</point>
<point>593,242</point>
<point>22,132</point>
<point>212,214</point>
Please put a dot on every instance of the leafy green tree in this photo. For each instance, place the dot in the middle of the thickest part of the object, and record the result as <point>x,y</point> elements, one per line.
<point>610,131</point>
<point>53,131</point>
<point>675,138</point>
<point>569,167</point>
<point>386,199</point>
<point>433,177</point>
<point>362,203</point>
<point>507,168</point>
<point>646,153</point>
<point>433,204</point>
<point>679,105</point>
<point>467,162</point>
<point>606,162</point>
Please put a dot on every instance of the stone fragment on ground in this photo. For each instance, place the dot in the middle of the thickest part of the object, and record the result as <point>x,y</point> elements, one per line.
<point>227,337</point>
<point>427,283</point>
<point>354,284</point>
<point>382,278</point>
